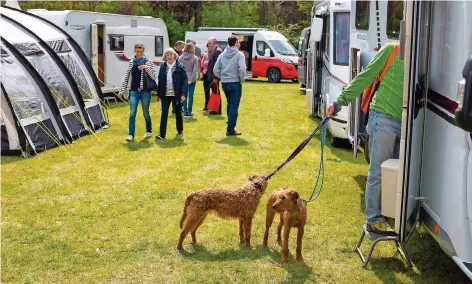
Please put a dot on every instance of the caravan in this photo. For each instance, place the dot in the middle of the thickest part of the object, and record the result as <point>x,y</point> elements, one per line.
<point>430,184</point>
<point>268,54</point>
<point>109,39</point>
<point>330,64</point>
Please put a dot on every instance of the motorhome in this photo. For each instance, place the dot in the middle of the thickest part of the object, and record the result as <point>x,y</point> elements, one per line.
<point>109,39</point>
<point>330,64</point>
<point>430,183</point>
<point>268,54</point>
<point>303,59</point>
<point>201,39</point>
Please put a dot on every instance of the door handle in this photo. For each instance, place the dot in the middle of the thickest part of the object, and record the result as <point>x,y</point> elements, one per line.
<point>255,57</point>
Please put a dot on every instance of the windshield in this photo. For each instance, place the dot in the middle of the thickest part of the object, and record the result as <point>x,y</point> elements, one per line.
<point>283,47</point>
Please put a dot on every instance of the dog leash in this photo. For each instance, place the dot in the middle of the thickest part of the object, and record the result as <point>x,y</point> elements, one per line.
<point>300,147</point>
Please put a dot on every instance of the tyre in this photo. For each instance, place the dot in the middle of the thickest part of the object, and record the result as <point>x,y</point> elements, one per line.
<point>336,142</point>
<point>274,75</point>
<point>295,80</point>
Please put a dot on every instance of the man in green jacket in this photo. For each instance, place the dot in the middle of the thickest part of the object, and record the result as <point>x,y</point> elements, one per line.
<point>383,127</point>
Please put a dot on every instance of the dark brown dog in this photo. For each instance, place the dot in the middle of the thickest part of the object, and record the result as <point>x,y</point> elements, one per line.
<point>292,212</point>
<point>240,204</point>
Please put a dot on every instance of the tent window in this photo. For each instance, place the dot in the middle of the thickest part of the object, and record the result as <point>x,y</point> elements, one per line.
<point>159,47</point>
<point>59,46</point>
<point>29,49</point>
<point>117,42</point>
<point>362,15</point>
<point>394,16</point>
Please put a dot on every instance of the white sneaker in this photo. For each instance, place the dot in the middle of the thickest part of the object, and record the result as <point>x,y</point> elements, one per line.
<point>147,135</point>
<point>130,138</point>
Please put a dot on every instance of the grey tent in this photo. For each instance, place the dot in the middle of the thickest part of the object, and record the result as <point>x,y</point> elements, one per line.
<point>30,119</point>
<point>52,71</point>
<point>71,55</point>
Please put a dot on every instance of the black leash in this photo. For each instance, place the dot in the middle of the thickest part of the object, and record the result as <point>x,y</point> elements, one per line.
<point>300,147</point>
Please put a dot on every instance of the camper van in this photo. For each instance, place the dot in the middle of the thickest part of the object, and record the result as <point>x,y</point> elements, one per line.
<point>269,54</point>
<point>330,65</point>
<point>201,39</point>
<point>109,39</point>
<point>303,59</point>
<point>429,188</point>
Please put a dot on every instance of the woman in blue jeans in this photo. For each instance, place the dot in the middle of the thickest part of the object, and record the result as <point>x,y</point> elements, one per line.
<point>190,62</point>
<point>135,81</point>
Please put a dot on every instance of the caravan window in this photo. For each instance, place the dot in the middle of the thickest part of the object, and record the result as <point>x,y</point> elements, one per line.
<point>222,44</point>
<point>117,42</point>
<point>341,39</point>
<point>394,16</point>
<point>159,46</point>
<point>362,15</point>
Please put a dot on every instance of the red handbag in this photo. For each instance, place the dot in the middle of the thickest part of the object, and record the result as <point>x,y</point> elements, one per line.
<point>215,101</point>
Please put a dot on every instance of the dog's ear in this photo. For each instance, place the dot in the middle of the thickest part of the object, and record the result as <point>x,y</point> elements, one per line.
<point>295,195</point>
<point>252,177</point>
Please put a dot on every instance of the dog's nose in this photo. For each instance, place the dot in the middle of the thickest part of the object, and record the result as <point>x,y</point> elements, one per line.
<point>273,206</point>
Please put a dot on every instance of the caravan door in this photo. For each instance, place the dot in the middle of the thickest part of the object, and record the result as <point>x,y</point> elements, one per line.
<point>97,54</point>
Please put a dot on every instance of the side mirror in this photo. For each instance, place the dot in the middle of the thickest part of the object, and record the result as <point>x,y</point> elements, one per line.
<point>267,52</point>
<point>464,111</point>
<point>316,30</point>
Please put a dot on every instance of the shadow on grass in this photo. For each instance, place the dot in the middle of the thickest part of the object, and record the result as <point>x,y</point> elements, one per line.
<point>387,268</point>
<point>233,141</point>
<point>361,181</point>
<point>298,271</point>
<point>190,120</point>
<point>214,116</point>
<point>171,143</point>
<point>11,159</point>
<point>257,81</point>
<point>138,145</point>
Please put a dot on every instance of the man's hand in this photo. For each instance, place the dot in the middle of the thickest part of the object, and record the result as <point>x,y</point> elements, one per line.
<point>332,110</point>
<point>189,82</point>
<point>215,81</point>
<point>182,98</point>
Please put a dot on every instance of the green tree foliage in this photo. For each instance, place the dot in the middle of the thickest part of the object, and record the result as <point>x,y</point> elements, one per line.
<point>286,17</point>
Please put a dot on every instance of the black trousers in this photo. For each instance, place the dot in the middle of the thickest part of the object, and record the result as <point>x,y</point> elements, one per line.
<point>206,88</point>
<point>166,102</point>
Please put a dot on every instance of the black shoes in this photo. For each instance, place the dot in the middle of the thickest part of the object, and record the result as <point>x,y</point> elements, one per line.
<point>233,133</point>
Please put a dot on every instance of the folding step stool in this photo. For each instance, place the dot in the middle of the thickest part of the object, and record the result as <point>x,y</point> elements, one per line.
<point>376,238</point>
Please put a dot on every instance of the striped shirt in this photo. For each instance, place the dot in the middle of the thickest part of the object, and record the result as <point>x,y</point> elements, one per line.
<point>126,81</point>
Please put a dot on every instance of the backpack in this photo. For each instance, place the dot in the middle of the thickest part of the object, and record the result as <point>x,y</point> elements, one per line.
<point>372,88</point>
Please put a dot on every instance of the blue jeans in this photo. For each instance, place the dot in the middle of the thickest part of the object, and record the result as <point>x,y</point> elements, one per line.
<point>233,92</point>
<point>187,105</point>
<point>384,137</point>
<point>134,98</point>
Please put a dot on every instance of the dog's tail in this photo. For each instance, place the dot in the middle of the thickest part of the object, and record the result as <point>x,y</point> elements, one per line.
<point>184,215</point>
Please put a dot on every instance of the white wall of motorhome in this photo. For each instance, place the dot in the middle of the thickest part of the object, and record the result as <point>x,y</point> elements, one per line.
<point>113,40</point>
<point>333,65</point>
<point>201,38</point>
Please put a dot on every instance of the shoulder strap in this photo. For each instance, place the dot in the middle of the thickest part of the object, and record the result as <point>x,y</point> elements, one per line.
<point>390,59</point>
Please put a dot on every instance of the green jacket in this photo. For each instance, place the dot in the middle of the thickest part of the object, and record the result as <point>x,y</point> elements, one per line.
<point>389,97</point>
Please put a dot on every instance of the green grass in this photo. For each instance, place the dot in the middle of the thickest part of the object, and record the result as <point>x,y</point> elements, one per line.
<point>110,214</point>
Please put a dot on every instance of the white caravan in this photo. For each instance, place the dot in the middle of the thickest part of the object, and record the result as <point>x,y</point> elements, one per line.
<point>304,59</point>
<point>201,38</point>
<point>330,64</point>
<point>268,54</point>
<point>109,39</point>
<point>429,188</point>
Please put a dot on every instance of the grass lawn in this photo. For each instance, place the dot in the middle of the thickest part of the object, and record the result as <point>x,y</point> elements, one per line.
<point>110,214</point>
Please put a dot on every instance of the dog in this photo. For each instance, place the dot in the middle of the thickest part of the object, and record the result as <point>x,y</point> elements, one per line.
<point>240,204</point>
<point>292,211</point>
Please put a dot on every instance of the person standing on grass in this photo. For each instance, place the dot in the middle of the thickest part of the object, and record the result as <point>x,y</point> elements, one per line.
<point>231,68</point>
<point>206,82</point>
<point>135,82</point>
<point>383,127</point>
<point>172,86</point>
<point>214,51</point>
<point>190,63</point>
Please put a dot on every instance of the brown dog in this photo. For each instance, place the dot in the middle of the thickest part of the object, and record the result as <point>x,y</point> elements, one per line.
<point>292,212</point>
<point>240,204</point>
